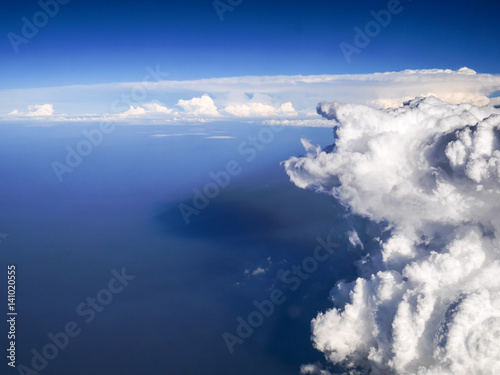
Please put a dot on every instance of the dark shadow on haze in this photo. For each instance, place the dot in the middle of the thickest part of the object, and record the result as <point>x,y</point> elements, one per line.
<point>223,220</point>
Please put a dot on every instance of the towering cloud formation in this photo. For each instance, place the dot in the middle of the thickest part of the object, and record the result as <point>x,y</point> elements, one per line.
<point>430,171</point>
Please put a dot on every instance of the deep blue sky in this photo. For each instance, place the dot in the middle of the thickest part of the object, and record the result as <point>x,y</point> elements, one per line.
<point>105,41</point>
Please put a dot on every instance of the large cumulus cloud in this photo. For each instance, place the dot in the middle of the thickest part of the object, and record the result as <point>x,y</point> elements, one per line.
<point>430,172</point>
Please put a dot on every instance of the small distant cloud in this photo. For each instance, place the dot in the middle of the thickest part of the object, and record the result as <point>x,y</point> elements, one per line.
<point>156,107</point>
<point>145,110</point>
<point>260,105</point>
<point>259,271</point>
<point>256,272</point>
<point>354,239</point>
<point>175,135</point>
<point>313,369</point>
<point>202,106</point>
<point>450,97</point>
<point>316,123</point>
<point>219,137</point>
<point>260,110</point>
<point>133,111</point>
<point>36,110</point>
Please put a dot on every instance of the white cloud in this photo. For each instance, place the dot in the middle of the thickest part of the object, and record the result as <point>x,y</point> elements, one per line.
<point>202,106</point>
<point>37,110</point>
<point>260,106</point>
<point>156,107</point>
<point>313,369</point>
<point>258,271</point>
<point>260,110</point>
<point>153,109</point>
<point>431,170</point>
<point>316,123</point>
<point>495,101</point>
<point>162,135</point>
<point>354,239</point>
<point>132,111</point>
<point>450,97</point>
<point>291,98</point>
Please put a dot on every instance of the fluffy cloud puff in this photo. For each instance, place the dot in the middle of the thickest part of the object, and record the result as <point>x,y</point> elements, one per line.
<point>202,106</point>
<point>431,170</point>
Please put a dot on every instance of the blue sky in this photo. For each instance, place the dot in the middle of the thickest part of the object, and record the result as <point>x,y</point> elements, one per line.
<point>97,41</point>
<point>75,63</point>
